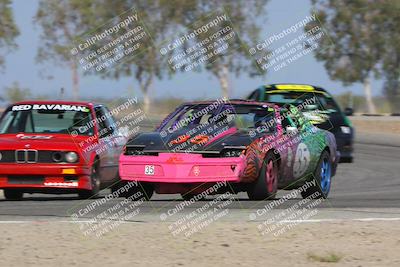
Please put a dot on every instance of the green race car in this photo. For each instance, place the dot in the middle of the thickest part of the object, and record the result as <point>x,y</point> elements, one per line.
<point>319,107</point>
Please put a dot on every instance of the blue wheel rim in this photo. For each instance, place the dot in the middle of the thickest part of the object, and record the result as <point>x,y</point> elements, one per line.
<point>325,176</point>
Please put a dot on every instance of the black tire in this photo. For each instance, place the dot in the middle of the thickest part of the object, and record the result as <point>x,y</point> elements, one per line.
<point>319,190</point>
<point>261,189</point>
<point>142,190</point>
<point>95,181</point>
<point>13,194</point>
<point>116,187</point>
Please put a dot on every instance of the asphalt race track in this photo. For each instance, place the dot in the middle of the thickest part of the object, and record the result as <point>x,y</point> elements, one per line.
<point>366,189</point>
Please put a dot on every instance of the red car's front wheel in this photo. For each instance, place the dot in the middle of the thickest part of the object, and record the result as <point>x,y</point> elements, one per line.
<point>95,182</point>
<point>13,194</point>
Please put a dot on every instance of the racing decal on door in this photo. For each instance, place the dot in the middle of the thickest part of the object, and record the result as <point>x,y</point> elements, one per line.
<point>253,162</point>
<point>301,161</point>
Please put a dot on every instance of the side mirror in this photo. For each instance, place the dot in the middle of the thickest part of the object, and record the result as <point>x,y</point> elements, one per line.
<point>348,111</point>
<point>291,130</point>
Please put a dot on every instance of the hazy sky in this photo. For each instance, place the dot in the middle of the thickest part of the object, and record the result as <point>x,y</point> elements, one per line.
<point>21,65</point>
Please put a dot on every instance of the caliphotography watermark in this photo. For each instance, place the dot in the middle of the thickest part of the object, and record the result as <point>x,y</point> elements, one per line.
<point>284,214</point>
<point>110,129</point>
<point>100,216</point>
<point>206,39</point>
<point>186,218</point>
<point>125,36</point>
<point>285,47</point>
<point>195,126</point>
<point>298,137</point>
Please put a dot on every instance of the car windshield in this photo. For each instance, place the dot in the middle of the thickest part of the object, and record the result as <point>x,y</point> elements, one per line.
<point>320,102</point>
<point>53,119</point>
<point>243,117</point>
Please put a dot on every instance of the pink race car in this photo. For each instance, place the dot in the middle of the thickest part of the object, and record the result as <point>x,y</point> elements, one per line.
<point>247,146</point>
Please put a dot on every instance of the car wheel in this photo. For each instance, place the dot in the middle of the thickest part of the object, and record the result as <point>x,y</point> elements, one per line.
<point>322,177</point>
<point>95,182</point>
<point>266,185</point>
<point>142,190</point>
<point>12,194</point>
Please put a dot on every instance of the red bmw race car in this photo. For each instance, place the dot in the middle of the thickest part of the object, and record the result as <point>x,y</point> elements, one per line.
<point>253,147</point>
<point>58,147</point>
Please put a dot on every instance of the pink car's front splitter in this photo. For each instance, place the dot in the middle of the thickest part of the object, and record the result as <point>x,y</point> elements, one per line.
<point>180,168</point>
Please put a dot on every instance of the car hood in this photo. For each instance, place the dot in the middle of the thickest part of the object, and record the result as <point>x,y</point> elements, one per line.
<point>40,141</point>
<point>154,141</point>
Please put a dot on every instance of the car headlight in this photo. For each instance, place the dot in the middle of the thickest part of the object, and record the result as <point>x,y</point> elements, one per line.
<point>1,156</point>
<point>232,153</point>
<point>71,157</point>
<point>345,129</point>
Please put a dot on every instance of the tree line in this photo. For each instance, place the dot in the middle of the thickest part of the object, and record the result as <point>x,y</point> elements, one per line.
<point>365,36</point>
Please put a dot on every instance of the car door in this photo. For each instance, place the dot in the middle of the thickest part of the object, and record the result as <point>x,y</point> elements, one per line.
<point>287,148</point>
<point>117,139</point>
<point>307,145</point>
<point>105,148</point>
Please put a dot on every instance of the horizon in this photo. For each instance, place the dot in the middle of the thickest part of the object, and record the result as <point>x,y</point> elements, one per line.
<point>48,79</point>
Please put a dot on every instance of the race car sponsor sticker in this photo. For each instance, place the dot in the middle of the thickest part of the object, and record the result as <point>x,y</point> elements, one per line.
<point>149,169</point>
<point>61,107</point>
<point>301,161</point>
<point>34,137</point>
<point>295,87</point>
<point>196,171</point>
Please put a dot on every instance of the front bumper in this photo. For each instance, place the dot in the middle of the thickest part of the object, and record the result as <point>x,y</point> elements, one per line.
<point>44,176</point>
<point>181,168</point>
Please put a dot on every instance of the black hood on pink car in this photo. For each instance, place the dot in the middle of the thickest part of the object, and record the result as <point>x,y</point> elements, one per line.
<point>179,141</point>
